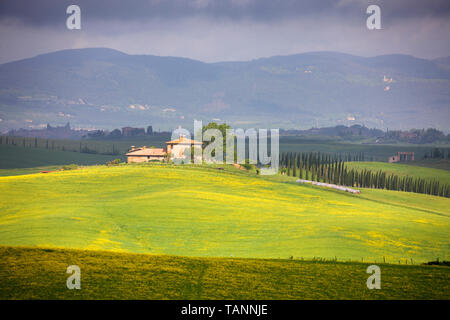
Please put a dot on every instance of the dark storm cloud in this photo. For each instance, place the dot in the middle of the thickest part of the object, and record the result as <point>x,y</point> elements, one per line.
<point>224,30</point>
<point>52,12</point>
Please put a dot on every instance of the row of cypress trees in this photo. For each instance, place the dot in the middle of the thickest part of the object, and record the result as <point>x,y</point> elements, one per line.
<point>380,180</point>
<point>320,157</point>
<point>315,166</point>
<point>329,168</point>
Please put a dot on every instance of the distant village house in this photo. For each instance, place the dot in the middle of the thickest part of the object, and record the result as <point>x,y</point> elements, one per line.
<point>402,156</point>
<point>132,132</point>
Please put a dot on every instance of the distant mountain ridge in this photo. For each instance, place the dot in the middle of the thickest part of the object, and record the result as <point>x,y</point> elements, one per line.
<point>106,88</point>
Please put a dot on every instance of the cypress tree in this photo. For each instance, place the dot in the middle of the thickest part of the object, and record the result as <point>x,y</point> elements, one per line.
<point>322,167</point>
<point>294,169</point>
<point>289,166</point>
<point>301,169</point>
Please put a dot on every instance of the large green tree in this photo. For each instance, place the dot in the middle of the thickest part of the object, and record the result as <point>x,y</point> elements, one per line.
<point>223,129</point>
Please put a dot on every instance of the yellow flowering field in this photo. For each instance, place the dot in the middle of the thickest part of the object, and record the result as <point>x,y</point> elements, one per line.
<point>205,211</point>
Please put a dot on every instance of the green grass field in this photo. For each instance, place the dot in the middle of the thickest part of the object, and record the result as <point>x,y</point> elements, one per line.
<point>205,212</point>
<point>100,146</point>
<point>401,169</point>
<point>375,152</point>
<point>22,171</point>
<point>15,157</point>
<point>307,144</point>
<point>32,273</point>
<point>443,164</point>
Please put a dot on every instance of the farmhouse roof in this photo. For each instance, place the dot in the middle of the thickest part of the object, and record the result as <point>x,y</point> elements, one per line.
<point>183,140</point>
<point>147,152</point>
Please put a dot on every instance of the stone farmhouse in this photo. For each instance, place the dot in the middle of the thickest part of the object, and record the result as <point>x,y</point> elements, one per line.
<point>144,154</point>
<point>174,148</point>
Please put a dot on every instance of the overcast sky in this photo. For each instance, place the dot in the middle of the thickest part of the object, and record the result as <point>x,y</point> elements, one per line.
<point>223,30</point>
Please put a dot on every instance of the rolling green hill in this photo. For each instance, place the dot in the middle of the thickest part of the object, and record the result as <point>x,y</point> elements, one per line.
<point>443,164</point>
<point>32,273</point>
<point>203,211</point>
<point>401,169</point>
